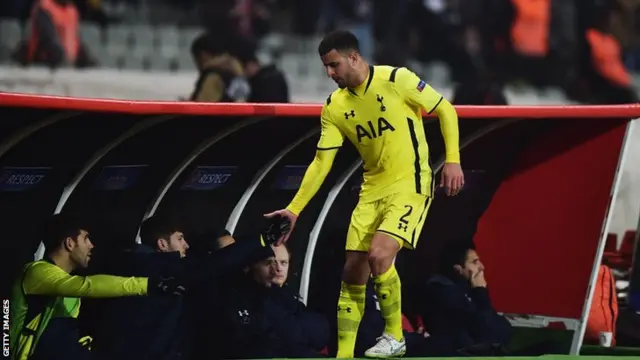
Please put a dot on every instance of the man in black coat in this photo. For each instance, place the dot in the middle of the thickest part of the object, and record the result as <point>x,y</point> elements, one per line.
<point>160,327</point>
<point>457,311</point>
<point>262,317</point>
<point>268,83</point>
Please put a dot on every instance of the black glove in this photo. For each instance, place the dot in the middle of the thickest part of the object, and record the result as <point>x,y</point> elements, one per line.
<point>168,285</point>
<point>274,229</point>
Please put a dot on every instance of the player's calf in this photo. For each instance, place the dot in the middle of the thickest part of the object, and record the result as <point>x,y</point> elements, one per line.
<point>388,288</point>
<point>351,302</point>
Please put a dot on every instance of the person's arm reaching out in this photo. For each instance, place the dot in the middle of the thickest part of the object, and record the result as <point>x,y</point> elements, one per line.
<point>331,139</point>
<point>418,93</point>
<point>47,279</point>
<point>312,180</point>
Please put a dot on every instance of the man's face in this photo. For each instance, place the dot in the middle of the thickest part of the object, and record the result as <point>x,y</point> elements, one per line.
<point>80,249</point>
<point>263,272</point>
<point>472,265</point>
<point>280,265</point>
<point>176,242</point>
<point>340,67</point>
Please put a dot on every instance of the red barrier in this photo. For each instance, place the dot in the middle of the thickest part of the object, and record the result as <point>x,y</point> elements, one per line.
<point>542,232</point>
<point>187,108</point>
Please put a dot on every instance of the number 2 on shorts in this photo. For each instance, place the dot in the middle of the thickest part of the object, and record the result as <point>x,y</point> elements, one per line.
<point>404,222</point>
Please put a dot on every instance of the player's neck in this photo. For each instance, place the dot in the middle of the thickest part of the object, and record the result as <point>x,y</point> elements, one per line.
<point>63,261</point>
<point>362,74</point>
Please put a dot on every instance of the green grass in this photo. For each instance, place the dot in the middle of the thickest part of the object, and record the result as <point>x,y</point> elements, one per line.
<point>545,357</point>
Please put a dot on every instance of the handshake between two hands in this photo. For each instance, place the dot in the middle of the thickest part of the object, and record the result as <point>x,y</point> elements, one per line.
<point>274,229</point>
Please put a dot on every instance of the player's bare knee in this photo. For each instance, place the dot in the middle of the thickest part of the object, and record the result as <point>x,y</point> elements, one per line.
<point>382,252</point>
<point>380,260</point>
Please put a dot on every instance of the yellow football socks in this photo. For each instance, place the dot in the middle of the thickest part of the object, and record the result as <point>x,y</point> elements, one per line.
<point>389,293</point>
<point>350,310</point>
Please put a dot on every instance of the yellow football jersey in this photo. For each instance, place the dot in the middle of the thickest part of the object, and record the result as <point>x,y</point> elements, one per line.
<point>383,119</point>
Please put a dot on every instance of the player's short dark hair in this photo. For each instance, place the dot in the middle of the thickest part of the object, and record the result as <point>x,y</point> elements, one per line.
<point>244,50</point>
<point>208,241</point>
<point>210,44</point>
<point>339,40</point>
<point>58,228</point>
<point>158,227</point>
<point>454,254</point>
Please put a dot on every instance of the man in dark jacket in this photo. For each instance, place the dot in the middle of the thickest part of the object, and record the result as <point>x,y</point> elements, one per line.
<point>159,328</point>
<point>457,311</point>
<point>261,319</point>
<point>268,83</point>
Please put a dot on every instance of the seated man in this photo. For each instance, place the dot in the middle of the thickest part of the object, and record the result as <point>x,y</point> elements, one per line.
<point>263,318</point>
<point>134,328</point>
<point>45,301</point>
<point>286,307</point>
<point>158,327</point>
<point>457,311</point>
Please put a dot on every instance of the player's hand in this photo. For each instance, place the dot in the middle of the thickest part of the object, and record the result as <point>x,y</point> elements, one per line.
<point>275,228</point>
<point>292,221</point>
<point>452,178</point>
<point>478,280</point>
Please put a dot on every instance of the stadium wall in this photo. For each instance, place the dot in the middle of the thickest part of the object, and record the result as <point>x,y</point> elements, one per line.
<point>540,181</point>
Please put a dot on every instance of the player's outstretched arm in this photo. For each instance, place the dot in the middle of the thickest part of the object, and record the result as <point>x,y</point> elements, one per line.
<point>330,141</point>
<point>47,279</point>
<point>419,93</point>
<point>311,182</point>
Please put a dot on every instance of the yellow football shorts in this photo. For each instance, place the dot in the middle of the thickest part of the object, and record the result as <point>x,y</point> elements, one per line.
<point>400,215</point>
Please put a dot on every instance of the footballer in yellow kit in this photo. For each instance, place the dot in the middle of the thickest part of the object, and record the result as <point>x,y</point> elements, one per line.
<point>379,109</point>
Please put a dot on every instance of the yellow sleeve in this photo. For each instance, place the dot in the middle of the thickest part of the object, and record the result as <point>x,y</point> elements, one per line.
<point>331,140</point>
<point>330,136</point>
<point>47,279</point>
<point>418,93</point>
